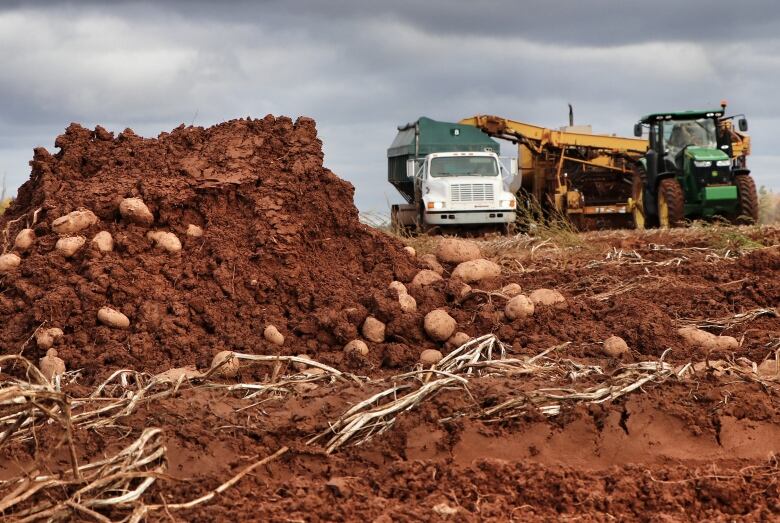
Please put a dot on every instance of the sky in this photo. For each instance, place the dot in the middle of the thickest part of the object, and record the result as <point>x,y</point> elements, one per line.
<point>361,68</point>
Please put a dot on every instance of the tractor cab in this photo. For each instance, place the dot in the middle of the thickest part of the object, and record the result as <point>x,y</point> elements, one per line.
<point>690,161</point>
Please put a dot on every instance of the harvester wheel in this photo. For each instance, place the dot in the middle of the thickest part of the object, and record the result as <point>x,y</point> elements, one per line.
<point>638,197</point>
<point>671,203</point>
<point>747,210</point>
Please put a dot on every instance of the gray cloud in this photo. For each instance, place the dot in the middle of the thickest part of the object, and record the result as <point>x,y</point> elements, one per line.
<point>361,68</point>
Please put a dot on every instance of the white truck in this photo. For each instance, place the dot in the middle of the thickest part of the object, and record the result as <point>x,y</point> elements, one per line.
<point>450,175</point>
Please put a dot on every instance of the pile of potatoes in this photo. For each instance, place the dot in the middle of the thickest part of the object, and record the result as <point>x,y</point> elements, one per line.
<point>71,228</point>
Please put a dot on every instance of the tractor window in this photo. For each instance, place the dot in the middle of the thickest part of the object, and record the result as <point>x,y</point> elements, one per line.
<point>464,166</point>
<point>696,133</point>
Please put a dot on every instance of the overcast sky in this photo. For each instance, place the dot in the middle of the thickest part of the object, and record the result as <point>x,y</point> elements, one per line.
<point>360,68</point>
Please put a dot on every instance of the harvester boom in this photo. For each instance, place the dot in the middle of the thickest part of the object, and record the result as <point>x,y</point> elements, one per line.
<point>541,136</point>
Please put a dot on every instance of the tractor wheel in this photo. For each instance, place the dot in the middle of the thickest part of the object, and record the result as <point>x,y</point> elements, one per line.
<point>747,209</point>
<point>638,197</point>
<point>671,203</point>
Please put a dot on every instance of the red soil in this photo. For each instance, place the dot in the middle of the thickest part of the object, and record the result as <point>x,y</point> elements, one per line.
<point>283,245</point>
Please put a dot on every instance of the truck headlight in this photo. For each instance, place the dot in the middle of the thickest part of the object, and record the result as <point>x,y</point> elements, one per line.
<point>507,203</point>
<point>436,205</point>
<point>702,163</point>
<point>723,163</point>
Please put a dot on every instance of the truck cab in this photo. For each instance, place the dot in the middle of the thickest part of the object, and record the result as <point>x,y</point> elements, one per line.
<point>463,188</point>
<point>450,175</point>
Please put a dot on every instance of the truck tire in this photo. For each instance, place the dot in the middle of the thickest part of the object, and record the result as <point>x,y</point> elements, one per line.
<point>671,204</point>
<point>395,224</point>
<point>422,227</point>
<point>747,199</point>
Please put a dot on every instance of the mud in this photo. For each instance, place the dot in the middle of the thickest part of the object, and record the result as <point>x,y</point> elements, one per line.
<point>283,245</point>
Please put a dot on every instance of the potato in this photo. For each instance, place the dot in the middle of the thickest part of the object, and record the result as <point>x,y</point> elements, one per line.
<point>301,366</point>
<point>425,277</point>
<point>408,303</point>
<point>9,262</point>
<point>373,330</point>
<point>547,297</point>
<point>456,250</point>
<point>134,210</point>
<point>103,241</point>
<point>358,347</point>
<point>430,261</point>
<point>410,251</point>
<point>308,386</point>
<point>272,334</point>
<point>398,287</point>
<point>70,245</point>
<point>519,306</point>
<point>430,357</point>
<point>511,290</point>
<point>718,367</point>
<point>769,369</point>
<point>51,365</point>
<point>697,337</point>
<point>179,373</point>
<point>165,240</point>
<point>476,270</point>
<point>113,318</point>
<point>193,231</point>
<point>439,325</point>
<point>228,364</point>
<point>457,339</point>
<point>726,343</point>
<point>46,338</point>
<point>74,222</point>
<point>615,346</point>
<point>24,240</point>
<point>464,290</point>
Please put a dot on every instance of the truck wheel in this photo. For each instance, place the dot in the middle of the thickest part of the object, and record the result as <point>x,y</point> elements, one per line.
<point>747,199</point>
<point>422,227</point>
<point>671,203</point>
<point>395,224</point>
<point>638,197</point>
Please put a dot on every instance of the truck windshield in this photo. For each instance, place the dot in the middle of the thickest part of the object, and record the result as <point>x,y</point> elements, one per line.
<point>464,166</point>
<point>696,133</point>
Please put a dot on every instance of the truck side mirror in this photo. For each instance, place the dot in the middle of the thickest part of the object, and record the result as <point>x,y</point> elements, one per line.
<point>410,168</point>
<point>742,123</point>
<point>638,130</point>
<point>513,166</point>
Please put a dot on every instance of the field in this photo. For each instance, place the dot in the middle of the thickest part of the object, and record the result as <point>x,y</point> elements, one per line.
<point>532,419</point>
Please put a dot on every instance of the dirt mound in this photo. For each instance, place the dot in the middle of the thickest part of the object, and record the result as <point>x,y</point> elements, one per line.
<point>281,245</point>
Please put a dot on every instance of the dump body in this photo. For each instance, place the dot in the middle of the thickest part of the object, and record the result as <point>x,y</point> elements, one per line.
<point>416,140</point>
<point>449,174</point>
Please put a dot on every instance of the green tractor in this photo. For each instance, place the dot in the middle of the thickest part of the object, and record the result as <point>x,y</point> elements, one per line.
<point>694,168</point>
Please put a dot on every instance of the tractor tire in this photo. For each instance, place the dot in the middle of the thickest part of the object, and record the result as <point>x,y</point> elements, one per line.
<point>640,218</point>
<point>747,209</point>
<point>671,204</point>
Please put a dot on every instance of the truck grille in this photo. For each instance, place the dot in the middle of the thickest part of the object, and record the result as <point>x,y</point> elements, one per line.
<point>472,192</point>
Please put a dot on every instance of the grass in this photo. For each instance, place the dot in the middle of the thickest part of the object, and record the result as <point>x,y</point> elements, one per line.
<point>552,225</point>
<point>4,202</point>
<point>727,237</point>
